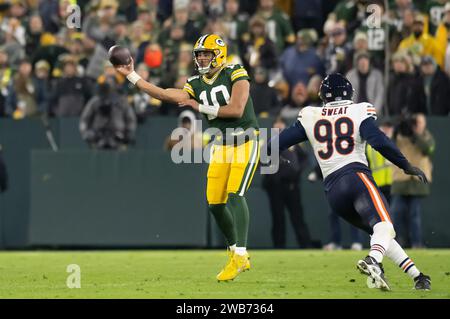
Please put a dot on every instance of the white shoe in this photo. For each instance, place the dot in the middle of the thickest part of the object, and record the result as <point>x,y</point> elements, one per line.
<point>375,272</point>
<point>356,246</point>
<point>332,246</point>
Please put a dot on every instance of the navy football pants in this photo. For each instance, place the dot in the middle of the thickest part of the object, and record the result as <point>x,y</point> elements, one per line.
<point>357,199</point>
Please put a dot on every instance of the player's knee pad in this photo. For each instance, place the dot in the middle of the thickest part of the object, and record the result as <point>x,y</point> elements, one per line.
<point>385,228</point>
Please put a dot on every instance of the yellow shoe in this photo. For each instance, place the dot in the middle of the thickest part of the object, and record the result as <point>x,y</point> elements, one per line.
<point>234,267</point>
<point>230,254</point>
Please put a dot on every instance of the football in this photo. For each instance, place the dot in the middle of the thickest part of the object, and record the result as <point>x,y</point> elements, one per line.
<point>119,55</point>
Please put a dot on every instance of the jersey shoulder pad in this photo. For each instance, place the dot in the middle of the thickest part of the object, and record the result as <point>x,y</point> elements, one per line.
<point>369,110</point>
<point>304,113</point>
<point>191,85</point>
<point>237,71</point>
<point>234,67</point>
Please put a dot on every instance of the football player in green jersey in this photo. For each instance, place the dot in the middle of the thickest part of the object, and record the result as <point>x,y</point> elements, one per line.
<point>221,92</point>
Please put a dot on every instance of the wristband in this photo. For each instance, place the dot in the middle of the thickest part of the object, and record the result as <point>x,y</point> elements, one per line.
<point>133,77</point>
<point>208,109</point>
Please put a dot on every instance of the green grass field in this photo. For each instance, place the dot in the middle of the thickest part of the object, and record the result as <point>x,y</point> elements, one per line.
<point>191,274</point>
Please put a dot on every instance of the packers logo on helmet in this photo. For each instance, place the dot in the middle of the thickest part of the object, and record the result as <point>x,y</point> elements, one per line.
<point>212,43</point>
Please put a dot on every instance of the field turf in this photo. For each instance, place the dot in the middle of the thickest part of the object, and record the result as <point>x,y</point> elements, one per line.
<point>191,274</point>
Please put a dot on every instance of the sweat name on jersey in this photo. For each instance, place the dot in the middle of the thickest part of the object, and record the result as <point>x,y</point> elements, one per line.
<point>334,111</point>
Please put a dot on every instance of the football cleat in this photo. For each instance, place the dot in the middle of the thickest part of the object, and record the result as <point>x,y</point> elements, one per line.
<point>422,282</point>
<point>375,272</point>
<point>236,264</point>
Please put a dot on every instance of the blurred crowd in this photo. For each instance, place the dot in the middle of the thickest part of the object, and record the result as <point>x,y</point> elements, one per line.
<point>53,53</point>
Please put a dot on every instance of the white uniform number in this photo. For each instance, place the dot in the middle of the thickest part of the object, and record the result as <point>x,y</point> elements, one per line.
<point>213,95</point>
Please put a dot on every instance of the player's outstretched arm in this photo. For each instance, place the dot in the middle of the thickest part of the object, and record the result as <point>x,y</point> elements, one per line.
<point>292,135</point>
<point>379,141</point>
<point>168,95</point>
<point>234,108</point>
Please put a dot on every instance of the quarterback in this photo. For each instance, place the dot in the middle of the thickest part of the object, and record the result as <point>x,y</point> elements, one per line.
<point>222,93</point>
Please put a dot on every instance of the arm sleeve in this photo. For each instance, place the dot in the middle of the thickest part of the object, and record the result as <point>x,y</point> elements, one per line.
<point>292,135</point>
<point>380,142</point>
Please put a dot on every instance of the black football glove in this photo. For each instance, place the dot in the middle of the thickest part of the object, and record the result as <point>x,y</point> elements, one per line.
<point>415,171</point>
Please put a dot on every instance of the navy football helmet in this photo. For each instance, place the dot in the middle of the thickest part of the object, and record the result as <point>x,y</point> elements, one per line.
<point>335,87</point>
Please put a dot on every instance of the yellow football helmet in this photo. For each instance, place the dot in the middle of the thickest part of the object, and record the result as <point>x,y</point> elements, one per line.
<point>212,43</point>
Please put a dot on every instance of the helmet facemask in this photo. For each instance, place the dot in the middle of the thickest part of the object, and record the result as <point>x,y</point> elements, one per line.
<point>212,64</point>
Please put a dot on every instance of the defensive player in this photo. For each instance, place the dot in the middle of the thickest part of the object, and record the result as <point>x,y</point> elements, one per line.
<point>338,133</point>
<point>221,92</point>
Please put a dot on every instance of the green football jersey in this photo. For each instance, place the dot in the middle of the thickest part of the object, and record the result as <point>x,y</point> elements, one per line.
<point>217,91</point>
<point>279,29</point>
<point>435,11</point>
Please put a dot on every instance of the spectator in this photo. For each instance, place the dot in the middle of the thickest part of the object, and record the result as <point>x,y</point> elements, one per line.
<point>236,24</point>
<point>300,62</point>
<point>265,98</point>
<point>417,144</point>
<point>41,80</point>
<point>442,38</point>
<point>360,43</point>
<point>313,90</point>
<point>191,138</point>
<point>381,168</point>
<point>215,8</point>
<point>49,12</point>
<point>376,34</point>
<point>197,14</point>
<point>143,104</point>
<point>21,99</point>
<point>337,53</point>
<point>336,235</point>
<point>367,82</point>
<point>308,14</point>
<point>120,34</point>
<point>420,43</point>
<point>107,121</point>
<point>259,50</point>
<point>5,79</point>
<point>403,27</point>
<point>139,41</point>
<point>147,16</point>
<point>70,93</point>
<point>100,25</point>
<point>434,94</point>
<point>299,99</point>
<point>12,37</point>
<point>351,13</point>
<point>283,190</point>
<point>50,49</point>
<point>178,28</point>
<point>402,84</point>
<point>278,25</point>
<point>434,10</point>
<point>34,31</point>
<point>77,51</point>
